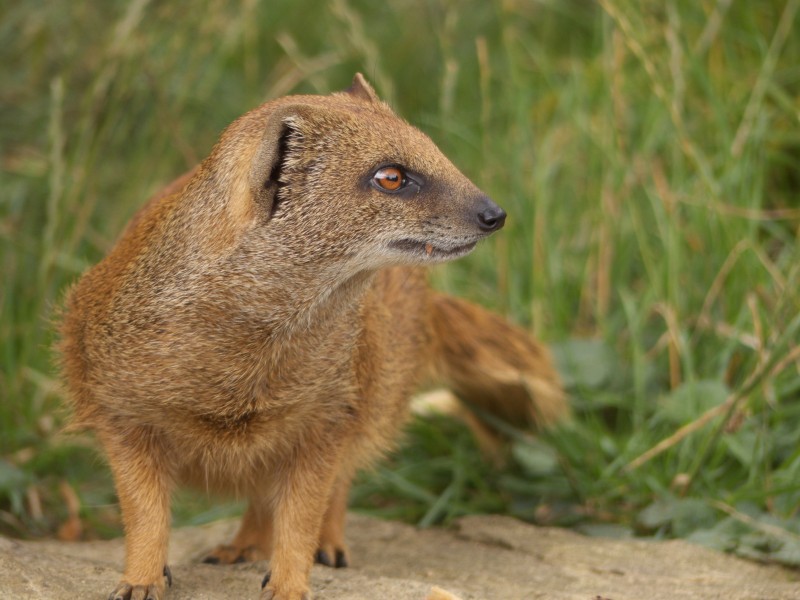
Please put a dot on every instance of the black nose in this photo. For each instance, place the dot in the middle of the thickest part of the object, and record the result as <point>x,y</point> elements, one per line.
<point>490,216</point>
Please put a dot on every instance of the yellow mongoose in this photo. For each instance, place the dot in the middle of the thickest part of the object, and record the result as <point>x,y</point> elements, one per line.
<point>261,324</point>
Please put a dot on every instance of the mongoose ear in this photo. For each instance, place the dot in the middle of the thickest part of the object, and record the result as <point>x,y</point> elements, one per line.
<point>269,158</point>
<point>361,89</point>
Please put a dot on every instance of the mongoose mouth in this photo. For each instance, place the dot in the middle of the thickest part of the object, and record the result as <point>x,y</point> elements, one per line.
<point>428,250</point>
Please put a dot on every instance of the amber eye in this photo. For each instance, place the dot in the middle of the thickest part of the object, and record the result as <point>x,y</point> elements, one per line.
<point>389,178</point>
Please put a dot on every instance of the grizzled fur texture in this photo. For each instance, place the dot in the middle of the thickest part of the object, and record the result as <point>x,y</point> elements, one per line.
<point>261,323</point>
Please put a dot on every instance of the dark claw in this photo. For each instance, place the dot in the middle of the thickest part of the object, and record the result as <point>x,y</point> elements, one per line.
<point>168,575</point>
<point>121,593</point>
<point>322,558</point>
<point>211,560</point>
<point>265,581</point>
<point>341,560</point>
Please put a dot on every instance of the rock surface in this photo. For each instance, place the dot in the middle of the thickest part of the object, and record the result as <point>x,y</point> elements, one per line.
<point>483,558</point>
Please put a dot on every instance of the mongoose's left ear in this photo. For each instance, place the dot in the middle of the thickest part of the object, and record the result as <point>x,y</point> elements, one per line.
<point>269,158</point>
<point>361,89</point>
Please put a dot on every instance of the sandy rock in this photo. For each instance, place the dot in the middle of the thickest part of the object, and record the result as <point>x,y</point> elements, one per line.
<point>482,558</point>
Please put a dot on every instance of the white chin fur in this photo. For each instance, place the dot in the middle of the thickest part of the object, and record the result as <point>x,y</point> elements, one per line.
<point>427,252</point>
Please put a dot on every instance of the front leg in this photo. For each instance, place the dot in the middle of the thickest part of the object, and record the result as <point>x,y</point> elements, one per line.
<point>300,504</point>
<point>331,549</point>
<point>142,477</point>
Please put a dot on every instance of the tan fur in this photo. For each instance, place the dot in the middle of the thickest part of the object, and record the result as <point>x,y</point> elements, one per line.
<point>260,325</point>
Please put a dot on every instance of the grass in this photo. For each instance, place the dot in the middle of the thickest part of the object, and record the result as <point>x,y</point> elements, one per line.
<point>647,156</point>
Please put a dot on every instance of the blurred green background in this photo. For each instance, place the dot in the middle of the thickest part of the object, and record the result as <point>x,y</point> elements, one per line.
<point>648,156</point>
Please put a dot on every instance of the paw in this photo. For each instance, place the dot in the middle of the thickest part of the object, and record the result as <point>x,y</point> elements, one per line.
<point>230,555</point>
<point>332,557</point>
<point>154,591</point>
<point>126,591</point>
<point>268,593</point>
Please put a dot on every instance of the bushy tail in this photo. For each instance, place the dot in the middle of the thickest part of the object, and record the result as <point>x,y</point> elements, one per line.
<point>493,365</point>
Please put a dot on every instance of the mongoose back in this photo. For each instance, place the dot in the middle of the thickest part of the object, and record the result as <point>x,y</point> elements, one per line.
<point>260,325</point>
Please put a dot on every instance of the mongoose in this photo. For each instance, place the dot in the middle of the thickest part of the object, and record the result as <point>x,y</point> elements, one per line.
<point>259,327</point>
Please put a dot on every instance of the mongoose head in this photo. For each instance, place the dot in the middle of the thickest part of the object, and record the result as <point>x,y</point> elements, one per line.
<point>341,179</point>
